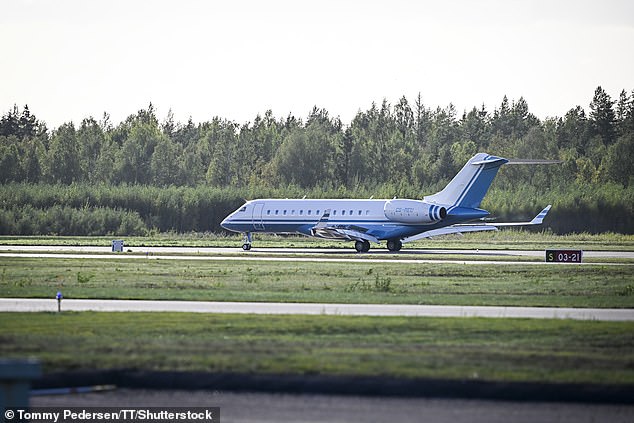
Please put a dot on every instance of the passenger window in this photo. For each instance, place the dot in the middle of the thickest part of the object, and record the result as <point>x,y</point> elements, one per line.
<point>317,213</point>
<point>359,212</point>
<point>268,212</point>
<point>301,212</point>
<point>343,212</point>
<point>351,212</point>
<point>334,212</point>
<point>367,212</point>
<point>284,212</point>
<point>277,212</point>
<point>309,212</point>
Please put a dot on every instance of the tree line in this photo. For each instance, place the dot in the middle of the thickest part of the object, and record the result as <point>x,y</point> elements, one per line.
<point>388,150</point>
<point>82,209</point>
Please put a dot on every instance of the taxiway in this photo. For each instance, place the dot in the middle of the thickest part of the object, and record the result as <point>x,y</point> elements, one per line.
<point>303,251</point>
<point>494,257</point>
<point>39,305</point>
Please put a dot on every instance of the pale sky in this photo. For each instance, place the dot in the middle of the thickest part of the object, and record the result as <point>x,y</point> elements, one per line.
<point>71,59</point>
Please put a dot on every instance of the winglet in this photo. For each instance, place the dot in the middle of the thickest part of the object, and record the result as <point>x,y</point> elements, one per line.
<point>537,220</point>
<point>323,222</point>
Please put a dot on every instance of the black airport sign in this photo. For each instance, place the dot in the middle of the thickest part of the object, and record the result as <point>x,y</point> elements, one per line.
<point>563,256</point>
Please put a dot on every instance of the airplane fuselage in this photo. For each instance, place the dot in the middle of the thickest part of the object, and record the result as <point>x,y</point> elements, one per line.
<point>380,219</point>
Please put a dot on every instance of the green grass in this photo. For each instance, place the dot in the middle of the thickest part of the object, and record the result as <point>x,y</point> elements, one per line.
<point>321,282</point>
<point>487,349</point>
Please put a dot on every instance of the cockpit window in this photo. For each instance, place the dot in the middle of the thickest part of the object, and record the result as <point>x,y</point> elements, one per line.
<point>243,209</point>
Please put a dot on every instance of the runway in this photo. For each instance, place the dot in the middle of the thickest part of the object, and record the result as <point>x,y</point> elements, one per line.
<point>253,257</point>
<point>318,251</point>
<point>50,305</point>
<point>491,257</point>
<point>251,407</point>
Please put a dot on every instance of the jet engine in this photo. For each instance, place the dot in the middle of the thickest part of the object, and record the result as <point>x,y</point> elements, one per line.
<point>413,211</point>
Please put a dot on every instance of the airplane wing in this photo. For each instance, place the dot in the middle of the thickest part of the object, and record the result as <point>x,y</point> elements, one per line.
<point>347,232</point>
<point>462,228</point>
<point>537,220</point>
<point>455,229</point>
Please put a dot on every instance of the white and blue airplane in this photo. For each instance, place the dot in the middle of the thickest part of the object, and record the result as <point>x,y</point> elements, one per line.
<point>396,221</point>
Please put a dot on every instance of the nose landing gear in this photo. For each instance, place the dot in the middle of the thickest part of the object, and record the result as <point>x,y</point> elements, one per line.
<point>246,239</point>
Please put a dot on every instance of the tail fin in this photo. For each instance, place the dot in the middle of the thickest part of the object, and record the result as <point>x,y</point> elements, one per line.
<point>470,185</point>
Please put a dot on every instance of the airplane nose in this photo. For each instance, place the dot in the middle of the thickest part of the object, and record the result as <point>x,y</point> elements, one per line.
<point>229,224</point>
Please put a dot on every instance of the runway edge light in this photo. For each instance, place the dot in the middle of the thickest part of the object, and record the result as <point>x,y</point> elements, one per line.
<point>59,297</point>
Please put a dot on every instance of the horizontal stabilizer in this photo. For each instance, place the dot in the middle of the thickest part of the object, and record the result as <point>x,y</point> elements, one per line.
<point>490,160</point>
<point>532,162</point>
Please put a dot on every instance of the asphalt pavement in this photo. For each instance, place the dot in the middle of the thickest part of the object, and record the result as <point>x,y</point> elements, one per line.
<point>41,304</point>
<point>246,407</point>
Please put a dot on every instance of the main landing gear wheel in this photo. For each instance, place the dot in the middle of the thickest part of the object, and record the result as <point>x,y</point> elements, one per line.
<point>246,247</point>
<point>362,246</point>
<point>394,245</point>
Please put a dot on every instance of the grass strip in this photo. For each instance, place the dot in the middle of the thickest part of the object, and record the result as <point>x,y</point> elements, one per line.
<point>451,348</point>
<point>320,282</point>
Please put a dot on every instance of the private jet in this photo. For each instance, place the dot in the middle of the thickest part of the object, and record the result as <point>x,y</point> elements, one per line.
<point>455,209</point>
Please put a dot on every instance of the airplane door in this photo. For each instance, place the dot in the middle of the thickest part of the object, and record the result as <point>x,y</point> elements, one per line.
<point>258,225</point>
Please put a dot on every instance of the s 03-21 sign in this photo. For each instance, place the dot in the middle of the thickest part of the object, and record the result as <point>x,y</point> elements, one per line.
<point>564,256</point>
